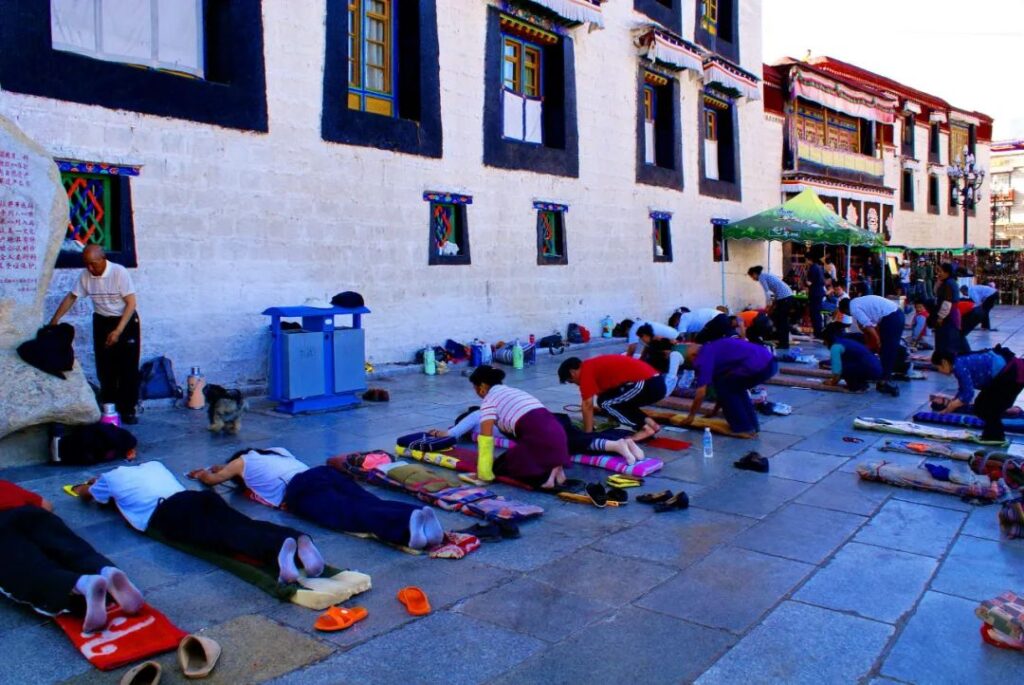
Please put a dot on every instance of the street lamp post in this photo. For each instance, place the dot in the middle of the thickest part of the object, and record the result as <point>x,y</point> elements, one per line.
<point>965,179</point>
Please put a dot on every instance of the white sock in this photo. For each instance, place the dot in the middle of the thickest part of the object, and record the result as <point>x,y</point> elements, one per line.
<point>620,448</point>
<point>417,536</point>
<point>94,589</point>
<point>432,527</point>
<point>289,572</point>
<point>122,590</point>
<point>310,557</point>
<point>637,451</point>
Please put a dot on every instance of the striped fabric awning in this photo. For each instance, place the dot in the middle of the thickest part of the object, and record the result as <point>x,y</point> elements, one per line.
<point>722,73</point>
<point>841,98</point>
<point>670,50</point>
<point>577,11</point>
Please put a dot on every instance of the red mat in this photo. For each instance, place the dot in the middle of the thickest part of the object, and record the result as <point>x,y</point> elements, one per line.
<point>668,444</point>
<point>125,640</point>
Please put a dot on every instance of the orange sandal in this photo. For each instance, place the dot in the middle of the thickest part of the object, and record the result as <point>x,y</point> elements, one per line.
<point>415,601</point>
<point>338,618</point>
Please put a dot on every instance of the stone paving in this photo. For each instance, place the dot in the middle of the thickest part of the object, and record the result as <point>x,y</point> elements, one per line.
<point>803,575</point>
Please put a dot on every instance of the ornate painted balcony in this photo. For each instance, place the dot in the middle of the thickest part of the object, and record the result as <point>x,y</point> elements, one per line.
<point>840,164</point>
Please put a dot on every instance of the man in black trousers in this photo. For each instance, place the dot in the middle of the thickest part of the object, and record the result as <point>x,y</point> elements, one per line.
<point>115,328</point>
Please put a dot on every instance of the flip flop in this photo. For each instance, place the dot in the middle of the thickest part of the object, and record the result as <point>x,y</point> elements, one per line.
<point>989,635</point>
<point>655,497</point>
<point>680,500</point>
<point>197,656</point>
<point>582,499</point>
<point>620,481</point>
<point>146,673</point>
<point>70,491</point>
<point>415,600</point>
<point>339,618</point>
<point>597,494</point>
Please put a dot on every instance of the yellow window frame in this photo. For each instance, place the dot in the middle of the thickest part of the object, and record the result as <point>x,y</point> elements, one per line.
<point>710,125</point>
<point>355,25</point>
<point>513,59</point>
<point>384,19</point>
<point>648,103</point>
<point>531,71</point>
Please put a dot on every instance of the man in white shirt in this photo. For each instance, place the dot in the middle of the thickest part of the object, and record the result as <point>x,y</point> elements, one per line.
<point>881,321</point>
<point>984,298</point>
<point>115,328</point>
<point>658,330</point>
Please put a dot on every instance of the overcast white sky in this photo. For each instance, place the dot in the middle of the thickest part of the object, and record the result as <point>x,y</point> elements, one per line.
<point>969,52</point>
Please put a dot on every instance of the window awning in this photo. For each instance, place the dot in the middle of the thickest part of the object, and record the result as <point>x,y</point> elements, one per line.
<point>727,76</point>
<point>576,11</point>
<point>670,50</point>
<point>841,98</point>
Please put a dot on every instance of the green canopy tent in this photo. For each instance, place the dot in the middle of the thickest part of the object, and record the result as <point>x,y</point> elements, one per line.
<point>803,219</point>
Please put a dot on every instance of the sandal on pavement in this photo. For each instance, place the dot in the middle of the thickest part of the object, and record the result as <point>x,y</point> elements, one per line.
<point>339,618</point>
<point>677,501</point>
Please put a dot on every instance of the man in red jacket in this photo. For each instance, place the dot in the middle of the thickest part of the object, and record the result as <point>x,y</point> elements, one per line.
<point>622,385</point>
<point>47,566</point>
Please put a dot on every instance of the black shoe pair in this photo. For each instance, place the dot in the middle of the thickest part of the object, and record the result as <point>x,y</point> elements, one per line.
<point>493,531</point>
<point>665,501</point>
<point>601,496</point>
<point>752,462</point>
<point>888,389</point>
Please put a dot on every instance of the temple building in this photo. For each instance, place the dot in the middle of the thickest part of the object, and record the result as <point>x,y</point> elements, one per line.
<point>480,168</point>
<point>1007,178</point>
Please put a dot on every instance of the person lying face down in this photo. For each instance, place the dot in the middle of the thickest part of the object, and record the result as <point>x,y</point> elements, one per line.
<point>149,497</point>
<point>46,566</point>
<point>325,496</point>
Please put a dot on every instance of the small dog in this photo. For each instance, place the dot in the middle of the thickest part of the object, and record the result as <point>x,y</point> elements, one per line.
<point>224,408</point>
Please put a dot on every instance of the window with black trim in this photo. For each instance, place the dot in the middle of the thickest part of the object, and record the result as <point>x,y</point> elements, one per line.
<point>208,69</point>
<point>933,143</point>
<point>530,94</point>
<point>99,213</point>
<point>907,189</point>
<point>658,153</point>
<point>449,228</point>
<point>909,127</point>
<point>382,85</point>
<point>719,152</point>
<point>668,13</point>
<point>717,27</point>
<point>933,194</point>
<point>551,244</point>
<point>661,236</point>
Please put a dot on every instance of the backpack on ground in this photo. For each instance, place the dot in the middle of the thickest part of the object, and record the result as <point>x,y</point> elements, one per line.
<point>621,329</point>
<point>156,380</point>
<point>577,334</point>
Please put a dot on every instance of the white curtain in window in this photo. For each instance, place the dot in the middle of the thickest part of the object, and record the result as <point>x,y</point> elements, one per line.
<point>534,122</point>
<point>180,35</point>
<point>649,142</point>
<point>126,30</point>
<point>162,34</point>
<point>512,114</point>
<point>73,25</point>
<point>711,159</point>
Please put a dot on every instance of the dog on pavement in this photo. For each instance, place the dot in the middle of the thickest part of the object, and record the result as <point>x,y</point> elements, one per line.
<point>224,408</point>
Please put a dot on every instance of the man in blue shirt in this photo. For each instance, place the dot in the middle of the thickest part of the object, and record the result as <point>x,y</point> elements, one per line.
<point>815,291</point>
<point>778,300</point>
<point>732,366</point>
<point>997,373</point>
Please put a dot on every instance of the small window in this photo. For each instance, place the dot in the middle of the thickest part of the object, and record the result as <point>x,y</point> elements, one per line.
<point>933,142</point>
<point>522,104</point>
<point>551,234</point>
<point>99,213</point>
<point>650,131</point>
<point>370,57</point>
<point>933,194</point>
<point>711,125</point>
<point>160,34</point>
<point>907,190</point>
<point>662,236</point>
<point>719,153</point>
<point>709,16</point>
<point>449,229</point>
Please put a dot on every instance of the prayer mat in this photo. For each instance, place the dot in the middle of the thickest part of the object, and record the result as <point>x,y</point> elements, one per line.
<point>332,587</point>
<point>1005,613</point>
<point>718,426</point>
<point>476,501</point>
<point>916,429</point>
<point>926,449</point>
<point>609,462</point>
<point>974,487</point>
<point>125,640</point>
<point>940,401</point>
<point>1012,425</point>
<point>808,371</point>
<point>808,383</point>
<point>667,444</point>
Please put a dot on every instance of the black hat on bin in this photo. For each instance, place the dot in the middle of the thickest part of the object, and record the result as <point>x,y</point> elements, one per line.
<point>348,300</point>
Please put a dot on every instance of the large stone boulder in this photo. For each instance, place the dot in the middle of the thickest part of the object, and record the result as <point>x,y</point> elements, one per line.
<point>33,221</point>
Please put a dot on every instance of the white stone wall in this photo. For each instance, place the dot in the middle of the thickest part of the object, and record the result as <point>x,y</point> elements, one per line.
<point>228,223</point>
<point>919,228</point>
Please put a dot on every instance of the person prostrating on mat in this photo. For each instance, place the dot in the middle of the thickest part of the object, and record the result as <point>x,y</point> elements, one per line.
<point>881,321</point>
<point>325,496</point>
<point>852,362</point>
<point>149,497</point>
<point>997,373</point>
<point>541,452</point>
<point>49,568</point>
<point>622,386</point>
<point>732,366</point>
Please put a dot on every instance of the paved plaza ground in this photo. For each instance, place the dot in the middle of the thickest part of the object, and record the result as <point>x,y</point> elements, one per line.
<point>804,575</point>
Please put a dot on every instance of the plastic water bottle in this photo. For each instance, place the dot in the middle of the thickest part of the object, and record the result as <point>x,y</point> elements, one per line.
<point>429,362</point>
<point>607,325</point>
<point>195,383</point>
<point>517,355</point>
<point>475,354</point>
<point>709,447</point>
<point>110,415</point>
